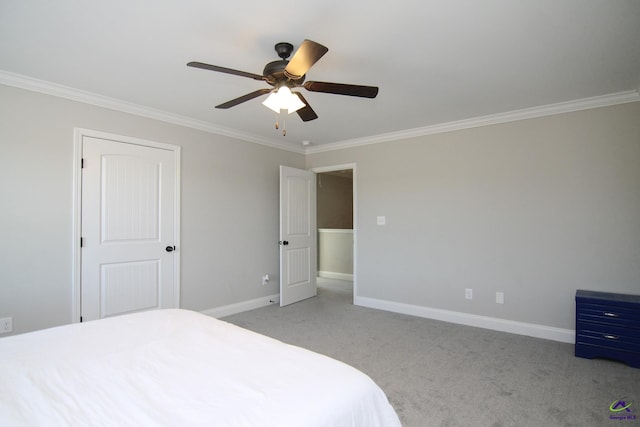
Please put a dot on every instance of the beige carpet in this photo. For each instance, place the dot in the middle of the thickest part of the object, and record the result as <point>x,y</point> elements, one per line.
<point>440,374</point>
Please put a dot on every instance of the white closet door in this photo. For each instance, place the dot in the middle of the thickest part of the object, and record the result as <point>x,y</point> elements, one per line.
<point>128,228</point>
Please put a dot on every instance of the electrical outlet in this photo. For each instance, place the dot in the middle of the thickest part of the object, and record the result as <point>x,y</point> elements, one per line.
<point>468,293</point>
<point>265,279</point>
<point>500,297</point>
<point>6,325</point>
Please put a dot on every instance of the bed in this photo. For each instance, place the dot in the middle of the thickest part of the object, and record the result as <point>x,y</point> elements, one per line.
<point>177,367</point>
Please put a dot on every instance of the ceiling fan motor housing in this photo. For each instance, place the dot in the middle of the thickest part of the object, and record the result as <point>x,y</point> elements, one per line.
<point>274,73</point>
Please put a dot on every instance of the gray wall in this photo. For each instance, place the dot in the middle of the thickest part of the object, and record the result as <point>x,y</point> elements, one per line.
<point>334,201</point>
<point>229,207</point>
<point>535,208</point>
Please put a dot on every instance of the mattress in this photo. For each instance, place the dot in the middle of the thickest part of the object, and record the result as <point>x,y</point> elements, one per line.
<point>178,368</point>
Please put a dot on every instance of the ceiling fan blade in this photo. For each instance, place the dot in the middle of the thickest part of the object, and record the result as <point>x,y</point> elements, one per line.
<point>306,113</point>
<point>342,89</point>
<point>243,98</point>
<point>307,54</point>
<point>225,70</point>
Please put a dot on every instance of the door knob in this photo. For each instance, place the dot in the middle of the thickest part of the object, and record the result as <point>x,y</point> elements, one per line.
<point>284,242</point>
<point>170,248</point>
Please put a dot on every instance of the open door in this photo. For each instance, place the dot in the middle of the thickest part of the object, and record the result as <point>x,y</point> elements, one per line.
<point>298,246</point>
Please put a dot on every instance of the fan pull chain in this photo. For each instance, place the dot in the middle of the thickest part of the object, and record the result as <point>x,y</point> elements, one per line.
<point>284,124</point>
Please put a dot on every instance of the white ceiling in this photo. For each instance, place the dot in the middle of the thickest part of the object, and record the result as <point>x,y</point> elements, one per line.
<point>435,61</point>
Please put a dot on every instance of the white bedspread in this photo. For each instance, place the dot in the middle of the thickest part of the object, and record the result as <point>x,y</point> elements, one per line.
<point>177,368</point>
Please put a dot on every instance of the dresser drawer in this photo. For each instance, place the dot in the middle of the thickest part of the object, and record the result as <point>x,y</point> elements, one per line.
<point>608,314</point>
<point>608,336</point>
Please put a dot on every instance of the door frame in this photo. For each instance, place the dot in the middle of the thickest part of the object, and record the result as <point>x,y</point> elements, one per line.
<point>78,136</point>
<point>352,167</point>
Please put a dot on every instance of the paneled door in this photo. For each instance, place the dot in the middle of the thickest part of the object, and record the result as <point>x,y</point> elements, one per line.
<point>298,247</point>
<point>128,227</point>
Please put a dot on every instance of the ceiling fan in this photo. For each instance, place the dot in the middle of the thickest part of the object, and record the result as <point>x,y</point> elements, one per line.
<point>289,74</point>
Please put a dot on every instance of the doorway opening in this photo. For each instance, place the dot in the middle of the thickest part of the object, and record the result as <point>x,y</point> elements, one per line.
<point>336,230</point>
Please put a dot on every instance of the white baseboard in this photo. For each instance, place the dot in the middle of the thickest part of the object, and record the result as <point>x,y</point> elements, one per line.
<point>510,326</point>
<point>520,328</point>
<point>239,307</point>
<point>334,275</point>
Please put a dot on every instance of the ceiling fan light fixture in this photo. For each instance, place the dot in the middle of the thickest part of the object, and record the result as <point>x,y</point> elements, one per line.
<point>283,99</point>
<point>284,75</point>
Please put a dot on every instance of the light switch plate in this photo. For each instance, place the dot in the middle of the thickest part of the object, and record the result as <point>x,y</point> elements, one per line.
<point>381,220</point>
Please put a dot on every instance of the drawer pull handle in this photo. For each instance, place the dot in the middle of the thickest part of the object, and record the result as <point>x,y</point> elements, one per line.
<point>611,337</point>
<point>608,314</point>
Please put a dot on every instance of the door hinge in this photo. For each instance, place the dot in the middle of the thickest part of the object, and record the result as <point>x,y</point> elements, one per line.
<point>82,242</point>
<point>82,163</point>
<point>80,319</point>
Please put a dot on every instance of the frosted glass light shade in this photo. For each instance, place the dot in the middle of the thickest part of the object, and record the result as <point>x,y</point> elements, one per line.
<point>272,102</point>
<point>283,99</point>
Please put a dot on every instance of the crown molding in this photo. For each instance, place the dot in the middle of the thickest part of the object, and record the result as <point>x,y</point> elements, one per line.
<point>45,87</point>
<point>528,113</point>
<point>48,88</point>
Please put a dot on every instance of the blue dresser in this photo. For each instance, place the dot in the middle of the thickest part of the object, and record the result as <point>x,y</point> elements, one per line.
<point>608,325</point>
